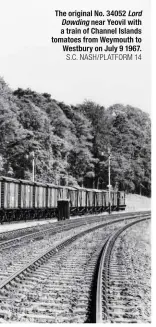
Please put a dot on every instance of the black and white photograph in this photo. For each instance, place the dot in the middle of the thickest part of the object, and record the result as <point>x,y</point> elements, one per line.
<point>75,162</point>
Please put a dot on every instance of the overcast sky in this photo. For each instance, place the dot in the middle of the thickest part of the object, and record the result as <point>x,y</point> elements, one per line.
<point>29,59</point>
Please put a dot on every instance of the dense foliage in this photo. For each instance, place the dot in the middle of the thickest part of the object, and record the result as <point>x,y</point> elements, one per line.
<point>71,143</point>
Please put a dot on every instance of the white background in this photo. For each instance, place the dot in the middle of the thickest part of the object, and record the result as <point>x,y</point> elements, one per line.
<point>29,59</point>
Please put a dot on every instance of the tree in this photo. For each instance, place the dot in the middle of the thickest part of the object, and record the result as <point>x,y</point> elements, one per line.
<point>71,142</point>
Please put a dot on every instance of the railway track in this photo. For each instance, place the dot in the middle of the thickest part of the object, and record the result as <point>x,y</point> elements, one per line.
<point>112,299</point>
<point>22,281</point>
<point>16,237</point>
<point>16,253</point>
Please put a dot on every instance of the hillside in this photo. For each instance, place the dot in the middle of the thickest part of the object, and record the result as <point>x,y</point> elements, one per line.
<point>135,202</point>
<point>71,143</point>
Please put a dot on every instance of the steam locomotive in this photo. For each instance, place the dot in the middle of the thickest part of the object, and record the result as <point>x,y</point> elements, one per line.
<point>26,200</point>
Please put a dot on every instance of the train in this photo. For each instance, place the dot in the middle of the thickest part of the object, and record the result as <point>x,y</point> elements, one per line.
<point>27,200</point>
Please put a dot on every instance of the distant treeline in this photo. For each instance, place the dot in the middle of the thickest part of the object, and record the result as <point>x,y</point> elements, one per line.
<point>70,143</point>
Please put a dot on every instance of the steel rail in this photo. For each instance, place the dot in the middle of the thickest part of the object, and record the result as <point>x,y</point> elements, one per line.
<point>103,272</point>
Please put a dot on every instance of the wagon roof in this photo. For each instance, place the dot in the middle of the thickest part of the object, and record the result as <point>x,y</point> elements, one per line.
<point>40,184</point>
<point>9,179</point>
<point>53,185</point>
<point>69,187</point>
<point>24,181</point>
<point>94,190</point>
<point>77,187</point>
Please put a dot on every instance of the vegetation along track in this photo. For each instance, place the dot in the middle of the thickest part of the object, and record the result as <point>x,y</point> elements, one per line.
<point>116,299</point>
<point>50,293</point>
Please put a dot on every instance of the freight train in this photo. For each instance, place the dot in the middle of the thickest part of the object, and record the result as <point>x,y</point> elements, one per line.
<point>26,200</point>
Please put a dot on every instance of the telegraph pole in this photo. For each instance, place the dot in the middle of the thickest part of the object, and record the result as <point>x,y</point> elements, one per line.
<point>109,179</point>
<point>33,166</point>
<point>109,184</point>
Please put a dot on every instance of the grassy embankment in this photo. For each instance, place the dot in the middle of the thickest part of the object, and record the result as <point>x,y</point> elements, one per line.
<point>137,202</point>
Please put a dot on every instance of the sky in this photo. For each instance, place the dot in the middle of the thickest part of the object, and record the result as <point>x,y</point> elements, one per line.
<point>28,59</point>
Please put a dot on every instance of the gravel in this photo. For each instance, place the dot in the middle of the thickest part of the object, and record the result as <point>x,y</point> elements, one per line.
<point>15,257</point>
<point>132,255</point>
<point>58,291</point>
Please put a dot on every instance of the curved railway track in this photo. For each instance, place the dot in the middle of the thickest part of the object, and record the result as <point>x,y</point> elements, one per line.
<point>16,237</point>
<point>40,265</point>
<point>16,254</point>
<point>107,309</point>
<point>52,250</point>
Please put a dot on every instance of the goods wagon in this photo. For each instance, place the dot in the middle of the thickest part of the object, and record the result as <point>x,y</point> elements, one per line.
<point>21,199</point>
